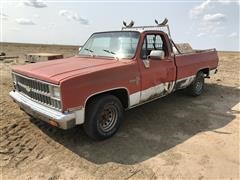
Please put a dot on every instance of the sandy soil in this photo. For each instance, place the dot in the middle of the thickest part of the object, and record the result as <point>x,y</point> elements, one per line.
<point>174,137</point>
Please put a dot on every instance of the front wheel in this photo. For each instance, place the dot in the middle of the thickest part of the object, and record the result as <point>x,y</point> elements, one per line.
<point>103,117</point>
<point>197,86</point>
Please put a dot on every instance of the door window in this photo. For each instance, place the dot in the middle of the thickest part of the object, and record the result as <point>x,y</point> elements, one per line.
<point>151,42</point>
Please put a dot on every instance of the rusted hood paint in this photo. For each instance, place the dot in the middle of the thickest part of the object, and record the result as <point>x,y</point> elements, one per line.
<point>58,70</point>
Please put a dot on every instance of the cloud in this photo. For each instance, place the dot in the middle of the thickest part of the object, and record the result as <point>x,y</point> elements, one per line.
<point>36,16</point>
<point>198,10</point>
<point>24,21</point>
<point>218,35</point>
<point>3,16</point>
<point>201,34</point>
<point>232,35</point>
<point>210,24</point>
<point>51,25</point>
<point>15,29</point>
<point>226,2</point>
<point>69,15</point>
<point>214,18</point>
<point>35,3</point>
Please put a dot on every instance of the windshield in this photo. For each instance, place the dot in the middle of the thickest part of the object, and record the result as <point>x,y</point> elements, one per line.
<point>111,44</point>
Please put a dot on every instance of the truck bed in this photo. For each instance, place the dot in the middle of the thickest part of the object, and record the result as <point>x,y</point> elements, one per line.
<point>190,63</point>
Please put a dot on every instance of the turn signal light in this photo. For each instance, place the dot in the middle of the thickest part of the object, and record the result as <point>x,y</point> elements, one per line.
<point>53,122</point>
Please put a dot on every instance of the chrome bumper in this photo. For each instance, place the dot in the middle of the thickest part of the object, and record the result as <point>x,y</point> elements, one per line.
<point>64,121</point>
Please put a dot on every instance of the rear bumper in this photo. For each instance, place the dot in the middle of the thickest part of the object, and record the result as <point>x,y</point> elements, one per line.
<point>51,116</point>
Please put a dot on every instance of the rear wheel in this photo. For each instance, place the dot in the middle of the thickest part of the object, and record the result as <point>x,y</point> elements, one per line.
<point>103,117</point>
<point>197,86</point>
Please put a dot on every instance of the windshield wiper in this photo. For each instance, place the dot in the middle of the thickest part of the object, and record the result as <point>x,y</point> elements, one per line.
<point>89,50</point>
<point>108,51</point>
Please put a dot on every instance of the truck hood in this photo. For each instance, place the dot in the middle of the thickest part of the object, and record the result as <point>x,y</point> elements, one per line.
<point>55,71</point>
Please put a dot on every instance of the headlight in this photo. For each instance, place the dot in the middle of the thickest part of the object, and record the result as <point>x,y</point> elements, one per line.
<point>55,92</point>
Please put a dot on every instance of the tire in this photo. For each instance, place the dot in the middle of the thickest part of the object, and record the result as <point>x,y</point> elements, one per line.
<point>197,86</point>
<point>103,117</point>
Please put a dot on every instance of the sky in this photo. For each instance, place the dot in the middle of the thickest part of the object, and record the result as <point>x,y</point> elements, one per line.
<point>202,23</point>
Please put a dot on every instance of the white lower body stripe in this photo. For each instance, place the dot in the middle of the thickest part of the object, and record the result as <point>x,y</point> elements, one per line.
<point>134,99</point>
<point>184,82</point>
<point>159,90</point>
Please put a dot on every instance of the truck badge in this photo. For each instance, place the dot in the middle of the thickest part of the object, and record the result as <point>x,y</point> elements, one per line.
<point>28,89</point>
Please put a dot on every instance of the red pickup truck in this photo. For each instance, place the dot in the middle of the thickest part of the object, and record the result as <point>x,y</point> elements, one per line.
<point>113,72</point>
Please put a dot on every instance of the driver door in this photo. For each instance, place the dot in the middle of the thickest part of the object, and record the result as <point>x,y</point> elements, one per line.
<point>158,75</point>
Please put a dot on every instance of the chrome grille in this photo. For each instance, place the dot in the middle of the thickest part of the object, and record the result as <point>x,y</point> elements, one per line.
<point>37,90</point>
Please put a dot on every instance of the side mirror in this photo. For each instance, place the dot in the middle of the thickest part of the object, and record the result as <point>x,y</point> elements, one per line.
<point>79,49</point>
<point>157,54</point>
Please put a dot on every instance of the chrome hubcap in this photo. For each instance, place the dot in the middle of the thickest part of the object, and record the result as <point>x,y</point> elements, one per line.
<point>108,118</point>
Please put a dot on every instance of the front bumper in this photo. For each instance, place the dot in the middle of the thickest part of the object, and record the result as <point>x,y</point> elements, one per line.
<point>62,120</point>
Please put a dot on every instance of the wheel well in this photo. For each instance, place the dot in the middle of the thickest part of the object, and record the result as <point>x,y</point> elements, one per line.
<point>121,94</point>
<point>205,71</point>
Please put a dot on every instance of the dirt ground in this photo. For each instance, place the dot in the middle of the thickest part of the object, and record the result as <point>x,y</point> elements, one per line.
<point>174,137</point>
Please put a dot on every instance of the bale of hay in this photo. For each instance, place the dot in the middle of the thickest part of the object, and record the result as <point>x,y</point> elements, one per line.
<point>8,60</point>
<point>184,48</point>
<point>3,54</point>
